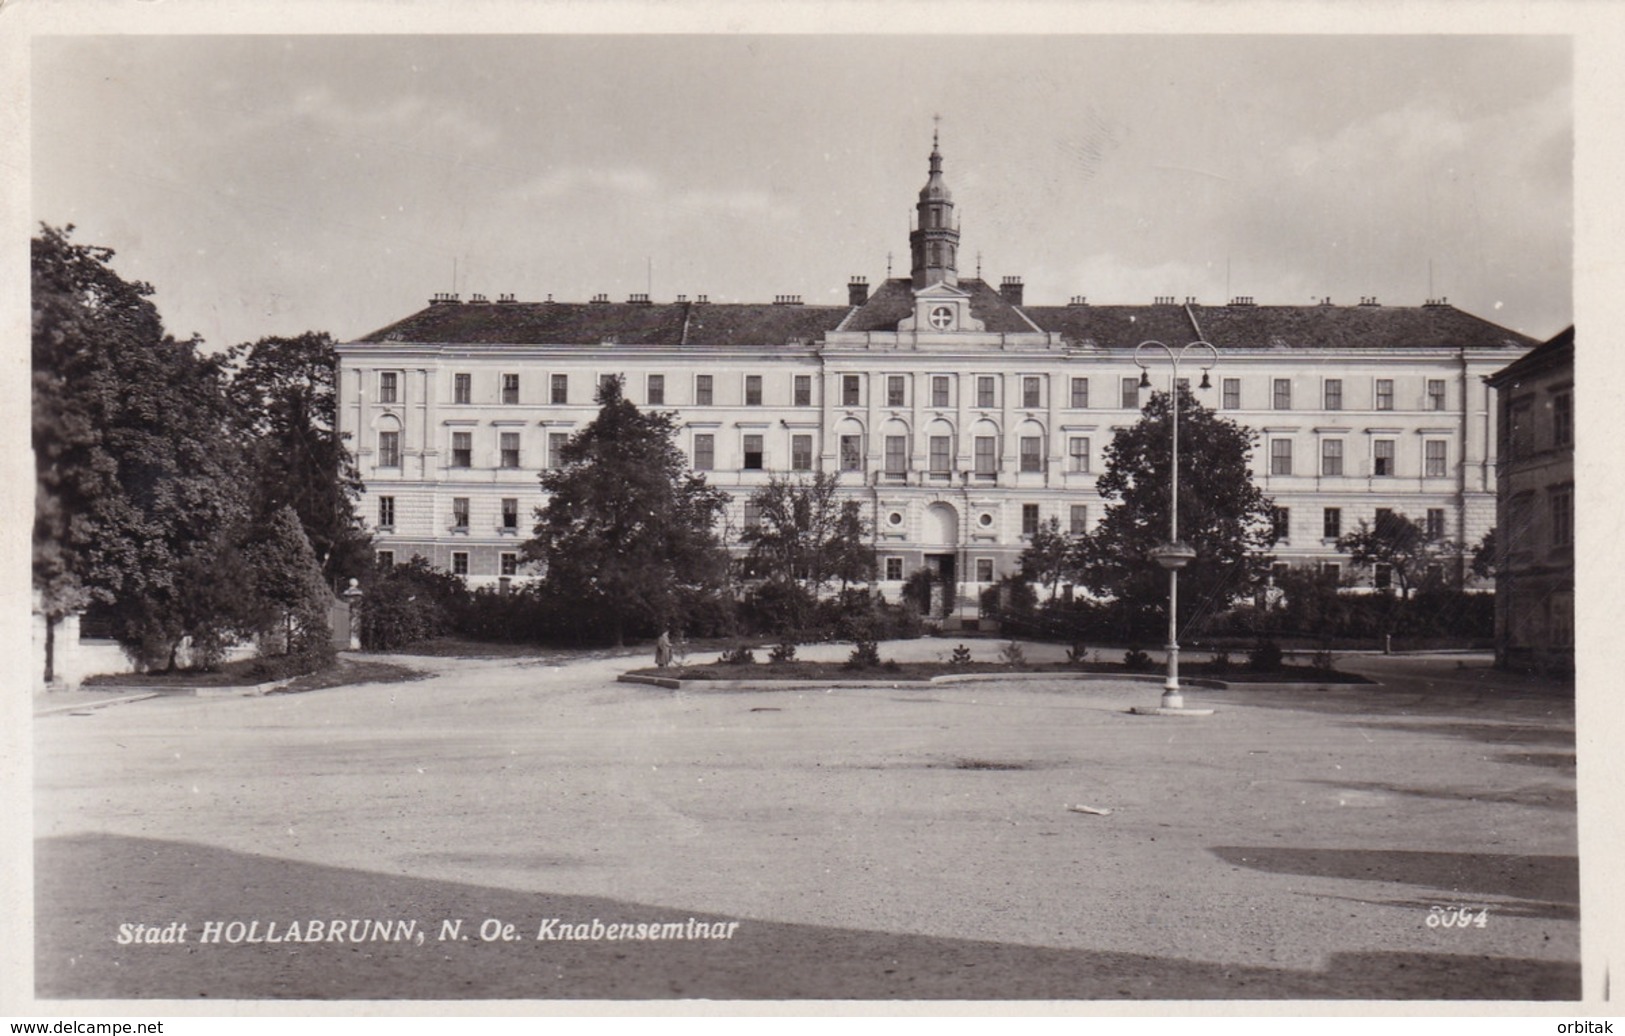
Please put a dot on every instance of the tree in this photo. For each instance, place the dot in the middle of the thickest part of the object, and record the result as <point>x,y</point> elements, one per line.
<point>284,394</point>
<point>1486,557</point>
<point>627,528</point>
<point>1398,542</point>
<point>1222,514</point>
<point>1048,556</point>
<point>290,585</point>
<point>138,467</point>
<point>807,535</point>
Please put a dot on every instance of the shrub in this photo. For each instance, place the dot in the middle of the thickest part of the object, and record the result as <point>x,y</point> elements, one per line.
<point>1221,662</point>
<point>1137,661</point>
<point>865,655</point>
<point>783,651</point>
<point>1264,657</point>
<point>961,655</point>
<point>738,655</point>
<point>1323,659</point>
<point>1013,655</point>
<point>1077,654</point>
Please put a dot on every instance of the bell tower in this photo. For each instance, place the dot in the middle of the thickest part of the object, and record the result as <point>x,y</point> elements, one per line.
<point>934,242</point>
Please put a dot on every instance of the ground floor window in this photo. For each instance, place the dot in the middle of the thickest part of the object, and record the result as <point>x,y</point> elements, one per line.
<point>459,562</point>
<point>509,564</point>
<point>894,569</point>
<point>984,570</point>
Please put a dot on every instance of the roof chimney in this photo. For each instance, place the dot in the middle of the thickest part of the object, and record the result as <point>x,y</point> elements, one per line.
<point>600,298</point>
<point>857,291</point>
<point>1010,290</point>
<point>638,298</point>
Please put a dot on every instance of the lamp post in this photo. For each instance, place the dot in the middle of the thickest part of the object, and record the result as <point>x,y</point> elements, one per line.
<point>1174,555</point>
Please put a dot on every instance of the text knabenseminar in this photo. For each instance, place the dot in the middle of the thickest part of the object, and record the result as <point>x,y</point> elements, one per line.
<point>361,930</point>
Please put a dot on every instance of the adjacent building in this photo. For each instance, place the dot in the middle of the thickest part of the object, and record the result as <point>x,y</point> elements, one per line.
<point>1534,577</point>
<point>958,412</point>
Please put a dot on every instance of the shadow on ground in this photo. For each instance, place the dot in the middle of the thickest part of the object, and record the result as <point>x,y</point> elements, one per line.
<point>1545,885</point>
<point>87,885</point>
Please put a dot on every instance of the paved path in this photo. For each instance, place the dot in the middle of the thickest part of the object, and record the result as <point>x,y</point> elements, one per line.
<point>874,843</point>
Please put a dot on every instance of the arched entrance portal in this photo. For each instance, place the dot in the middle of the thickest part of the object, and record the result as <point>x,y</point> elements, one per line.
<point>939,542</point>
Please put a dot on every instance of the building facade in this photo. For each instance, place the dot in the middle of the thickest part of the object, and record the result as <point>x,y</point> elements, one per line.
<point>1535,528</point>
<point>961,416</point>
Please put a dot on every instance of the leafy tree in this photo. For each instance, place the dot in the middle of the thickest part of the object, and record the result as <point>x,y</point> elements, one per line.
<point>1398,542</point>
<point>808,535</point>
<point>1048,556</point>
<point>284,394</point>
<point>627,528</point>
<point>1222,514</point>
<point>1486,557</point>
<point>138,468</point>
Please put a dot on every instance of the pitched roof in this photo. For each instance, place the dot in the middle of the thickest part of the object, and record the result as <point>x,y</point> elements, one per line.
<point>696,324</point>
<point>624,323</point>
<point>1554,352</point>
<point>1286,327</point>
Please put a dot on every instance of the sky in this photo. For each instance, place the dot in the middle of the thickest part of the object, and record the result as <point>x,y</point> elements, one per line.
<point>269,185</point>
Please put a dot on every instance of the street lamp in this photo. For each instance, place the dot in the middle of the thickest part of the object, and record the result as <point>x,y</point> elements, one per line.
<point>1174,555</point>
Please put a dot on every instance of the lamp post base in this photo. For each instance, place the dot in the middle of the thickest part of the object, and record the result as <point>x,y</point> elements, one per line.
<point>1159,710</point>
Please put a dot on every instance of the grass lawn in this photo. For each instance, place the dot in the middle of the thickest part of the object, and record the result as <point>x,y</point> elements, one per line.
<point>244,673</point>
<point>925,670</point>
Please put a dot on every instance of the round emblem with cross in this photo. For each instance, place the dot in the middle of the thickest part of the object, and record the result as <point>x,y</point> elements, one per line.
<point>942,317</point>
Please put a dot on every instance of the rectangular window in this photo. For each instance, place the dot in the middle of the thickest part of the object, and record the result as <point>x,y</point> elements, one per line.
<point>987,458</point>
<point>1382,458</point>
<point>753,390</point>
<point>559,389</point>
<point>462,449</point>
<point>389,387</point>
<point>1077,449</point>
<point>1435,393</point>
<point>1331,456</point>
<point>1282,399</point>
<point>802,390</point>
<point>1280,456</point>
<point>604,381</point>
<point>800,453</point>
<point>753,515</point>
<point>389,449</point>
<point>1383,517</point>
<point>459,562</point>
<point>851,390</point>
<point>510,512</point>
<point>1032,453</point>
<point>985,392</point>
<point>894,390</point>
<point>705,452</point>
<point>1080,393</point>
<point>1433,457</point>
<point>851,453</point>
<point>896,454</point>
<point>1281,522</point>
<point>1331,572</point>
<point>941,455</point>
<point>703,394</point>
<point>1562,517</point>
<point>753,453</point>
<point>657,390</point>
<point>386,512</point>
<point>984,570</point>
<point>1333,394</point>
<point>894,569</point>
<point>509,564</point>
<point>939,390</point>
<point>510,389</point>
<point>1029,519</point>
<point>1435,523</point>
<point>462,388</point>
<point>1385,394</point>
<point>459,512</point>
<point>1031,392</point>
<point>1080,520</point>
<point>1230,394</point>
<point>555,449</point>
<point>1382,577</point>
<point>1519,432</point>
<point>1331,523</point>
<point>1563,419</point>
<point>386,559</point>
<point>510,449</point>
<point>1131,393</point>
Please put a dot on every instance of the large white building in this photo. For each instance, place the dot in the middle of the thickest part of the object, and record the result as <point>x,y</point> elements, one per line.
<point>959,414</point>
